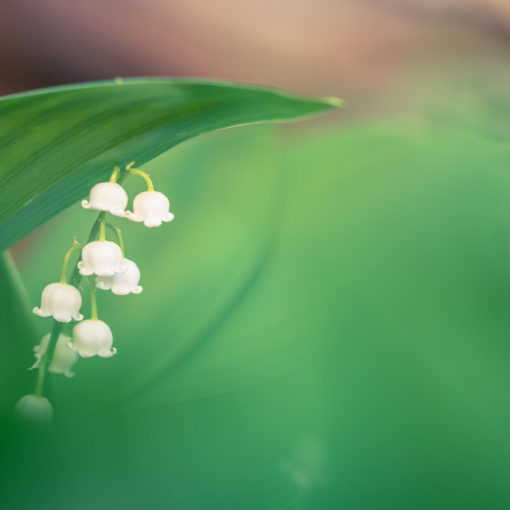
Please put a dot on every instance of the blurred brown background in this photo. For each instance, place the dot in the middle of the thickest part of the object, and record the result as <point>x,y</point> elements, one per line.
<point>365,51</point>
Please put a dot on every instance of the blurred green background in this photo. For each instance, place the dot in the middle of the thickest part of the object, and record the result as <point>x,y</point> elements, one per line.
<point>325,324</point>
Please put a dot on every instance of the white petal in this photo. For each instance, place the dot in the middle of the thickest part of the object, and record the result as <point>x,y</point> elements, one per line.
<point>151,207</point>
<point>107,196</point>
<point>92,337</point>
<point>63,358</point>
<point>133,216</point>
<point>122,283</point>
<point>60,301</point>
<point>103,258</point>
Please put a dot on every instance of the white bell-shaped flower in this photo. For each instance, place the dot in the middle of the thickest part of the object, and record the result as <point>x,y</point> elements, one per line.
<point>64,358</point>
<point>122,283</point>
<point>93,337</point>
<point>107,196</point>
<point>34,410</point>
<point>103,258</point>
<point>151,207</point>
<point>60,301</point>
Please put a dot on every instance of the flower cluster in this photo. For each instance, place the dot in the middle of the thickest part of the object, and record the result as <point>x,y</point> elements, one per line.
<point>104,264</point>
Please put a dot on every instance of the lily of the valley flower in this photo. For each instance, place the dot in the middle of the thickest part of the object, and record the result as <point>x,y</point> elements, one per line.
<point>34,410</point>
<point>64,358</point>
<point>60,301</point>
<point>152,208</point>
<point>92,337</point>
<point>112,271</point>
<point>103,258</point>
<point>107,196</point>
<point>122,283</point>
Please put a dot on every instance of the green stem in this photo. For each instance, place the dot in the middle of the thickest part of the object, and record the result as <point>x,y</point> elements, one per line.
<point>55,332</point>
<point>76,245</point>
<point>142,174</point>
<point>118,233</point>
<point>115,174</point>
<point>102,229</point>
<point>93,300</point>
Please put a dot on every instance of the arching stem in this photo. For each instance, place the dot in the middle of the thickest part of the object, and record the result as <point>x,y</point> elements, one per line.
<point>142,174</point>
<point>118,233</point>
<point>76,245</point>
<point>93,300</point>
<point>102,229</point>
<point>115,174</point>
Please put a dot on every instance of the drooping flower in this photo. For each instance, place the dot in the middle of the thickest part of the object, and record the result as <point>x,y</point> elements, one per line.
<point>122,283</point>
<point>34,410</point>
<point>103,258</point>
<point>107,196</point>
<point>93,337</point>
<point>64,358</point>
<point>60,301</point>
<point>152,208</point>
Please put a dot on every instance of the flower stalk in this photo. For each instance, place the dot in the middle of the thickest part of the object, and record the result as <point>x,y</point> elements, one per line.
<point>93,300</point>
<point>115,174</point>
<point>102,229</point>
<point>142,174</point>
<point>118,233</point>
<point>76,245</point>
<point>41,373</point>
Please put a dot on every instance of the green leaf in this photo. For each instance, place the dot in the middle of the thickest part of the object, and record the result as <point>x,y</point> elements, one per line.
<point>56,143</point>
<point>18,334</point>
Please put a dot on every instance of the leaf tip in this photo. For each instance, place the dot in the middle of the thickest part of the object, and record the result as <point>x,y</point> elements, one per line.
<point>333,101</point>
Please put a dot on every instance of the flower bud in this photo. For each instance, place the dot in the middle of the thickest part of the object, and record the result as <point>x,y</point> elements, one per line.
<point>92,337</point>
<point>64,358</point>
<point>60,301</point>
<point>102,258</point>
<point>151,207</point>
<point>107,196</point>
<point>34,410</point>
<point>122,283</point>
